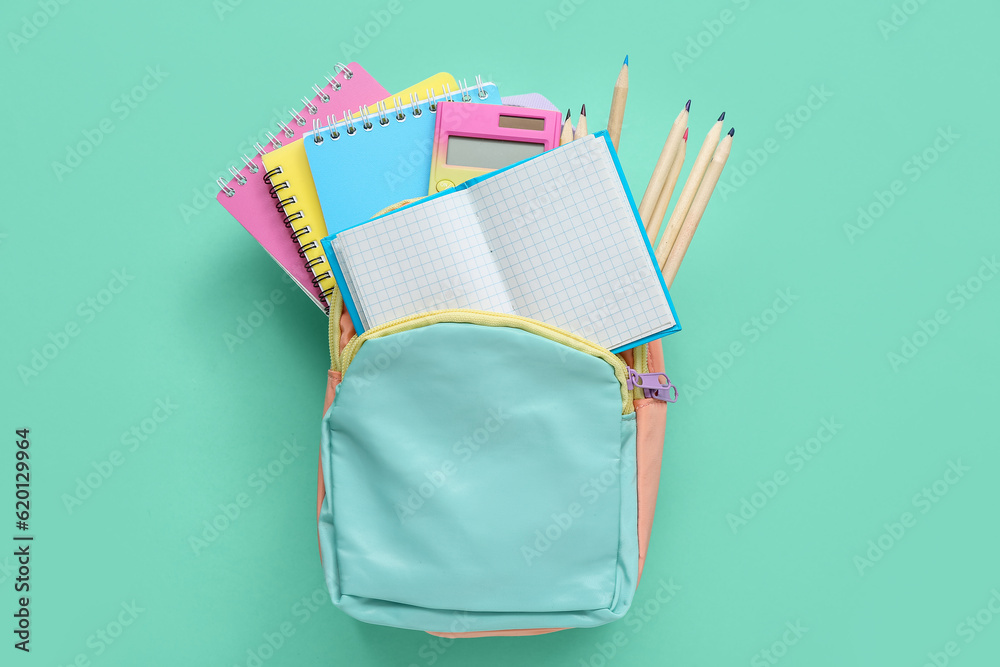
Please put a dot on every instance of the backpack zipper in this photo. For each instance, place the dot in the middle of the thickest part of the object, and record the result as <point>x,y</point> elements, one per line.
<point>484,318</point>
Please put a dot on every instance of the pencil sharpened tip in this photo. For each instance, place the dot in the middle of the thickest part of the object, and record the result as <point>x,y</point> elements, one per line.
<point>685,134</point>
<point>583,110</point>
<point>567,114</point>
<point>625,64</point>
<point>723,116</point>
<point>732,131</point>
<point>687,107</point>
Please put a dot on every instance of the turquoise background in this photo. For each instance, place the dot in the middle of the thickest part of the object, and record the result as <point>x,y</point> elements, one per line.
<point>725,595</point>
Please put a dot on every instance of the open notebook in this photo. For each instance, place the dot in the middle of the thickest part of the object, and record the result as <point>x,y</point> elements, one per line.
<point>555,238</point>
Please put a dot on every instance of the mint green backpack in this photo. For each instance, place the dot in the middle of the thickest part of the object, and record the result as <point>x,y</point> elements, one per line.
<point>486,474</point>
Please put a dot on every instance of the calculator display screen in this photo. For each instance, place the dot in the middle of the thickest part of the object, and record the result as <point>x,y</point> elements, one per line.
<point>489,153</point>
<point>522,122</point>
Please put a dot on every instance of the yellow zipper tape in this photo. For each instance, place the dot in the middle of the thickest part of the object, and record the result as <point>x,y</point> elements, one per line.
<point>333,330</point>
<point>640,355</point>
<point>484,318</point>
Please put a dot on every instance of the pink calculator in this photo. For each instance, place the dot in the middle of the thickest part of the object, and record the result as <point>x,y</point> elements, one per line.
<point>474,139</point>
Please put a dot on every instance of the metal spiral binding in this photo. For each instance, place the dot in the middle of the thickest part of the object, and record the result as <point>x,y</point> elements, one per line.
<point>365,121</point>
<point>240,178</point>
<point>312,245</point>
<point>319,278</point>
<point>398,112</point>
<point>334,132</point>
<point>289,219</point>
<point>269,180</point>
<point>286,130</point>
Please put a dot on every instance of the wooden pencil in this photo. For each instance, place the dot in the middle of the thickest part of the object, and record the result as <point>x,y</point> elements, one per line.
<point>663,201</point>
<point>567,131</point>
<point>581,125</point>
<point>677,216</point>
<point>663,164</point>
<point>693,217</point>
<point>617,114</point>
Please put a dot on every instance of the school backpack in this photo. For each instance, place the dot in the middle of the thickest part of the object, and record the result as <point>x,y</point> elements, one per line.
<point>486,474</point>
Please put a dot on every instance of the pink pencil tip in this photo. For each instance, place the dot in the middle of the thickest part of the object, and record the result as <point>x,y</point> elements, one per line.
<point>685,134</point>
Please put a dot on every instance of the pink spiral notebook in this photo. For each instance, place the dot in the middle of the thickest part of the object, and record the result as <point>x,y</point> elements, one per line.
<point>248,198</point>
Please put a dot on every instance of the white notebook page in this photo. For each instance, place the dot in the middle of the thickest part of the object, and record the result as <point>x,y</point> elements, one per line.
<point>553,239</point>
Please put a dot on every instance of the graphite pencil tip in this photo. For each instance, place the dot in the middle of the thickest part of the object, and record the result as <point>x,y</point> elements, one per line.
<point>567,114</point>
<point>723,116</point>
<point>625,64</point>
<point>732,131</point>
<point>687,107</point>
<point>583,110</point>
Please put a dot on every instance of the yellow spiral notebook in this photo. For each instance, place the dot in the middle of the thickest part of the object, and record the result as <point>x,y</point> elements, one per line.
<point>291,184</point>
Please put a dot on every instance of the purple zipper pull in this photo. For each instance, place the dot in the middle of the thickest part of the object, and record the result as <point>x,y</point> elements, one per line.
<point>651,385</point>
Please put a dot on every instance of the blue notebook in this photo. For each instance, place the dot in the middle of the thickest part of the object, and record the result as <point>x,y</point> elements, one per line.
<point>555,238</point>
<point>362,172</point>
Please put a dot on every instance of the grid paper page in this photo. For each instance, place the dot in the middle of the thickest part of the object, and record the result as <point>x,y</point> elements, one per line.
<point>397,265</point>
<point>554,239</point>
